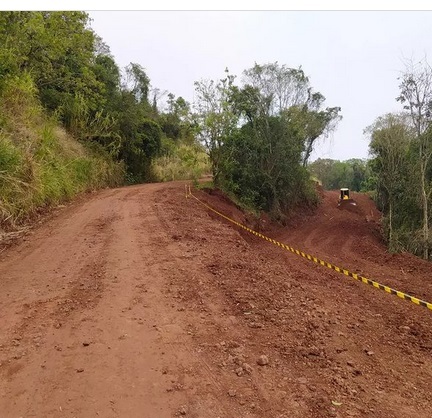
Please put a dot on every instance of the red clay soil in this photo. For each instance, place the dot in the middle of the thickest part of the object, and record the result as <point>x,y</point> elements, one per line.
<point>140,303</point>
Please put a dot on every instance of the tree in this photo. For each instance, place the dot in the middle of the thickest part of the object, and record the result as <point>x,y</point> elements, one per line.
<point>416,97</point>
<point>359,174</point>
<point>390,142</point>
<point>108,74</point>
<point>137,82</point>
<point>215,117</point>
<point>69,69</point>
<point>260,135</point>
<point>354,173</point>
<point>281,87</point>
<point>139,150</point>
<point>57,49</point>
<point>266,175</point>
<point>284,89</point>
<point>176,122</point>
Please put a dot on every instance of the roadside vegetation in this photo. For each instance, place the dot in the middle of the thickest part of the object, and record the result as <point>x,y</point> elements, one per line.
<point>40,163</point>
<point>260,134</point>
<point>398,173</point>
<point>72,120</point>
<point>401,151</point>
<point>401,164</point>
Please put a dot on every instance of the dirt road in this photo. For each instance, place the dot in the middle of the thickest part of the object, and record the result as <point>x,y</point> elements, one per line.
<point>138,303</point>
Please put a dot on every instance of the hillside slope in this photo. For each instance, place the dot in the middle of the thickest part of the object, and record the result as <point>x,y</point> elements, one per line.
<point>40,164</point>
<point>353,240</point>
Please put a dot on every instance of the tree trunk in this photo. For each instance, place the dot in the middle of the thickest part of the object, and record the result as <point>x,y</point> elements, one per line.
<point>391,226</point>
<point>425,213</point>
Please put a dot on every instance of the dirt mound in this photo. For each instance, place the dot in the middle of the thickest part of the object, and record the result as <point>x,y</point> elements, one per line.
<point>349,239</point>
<point>322,321</point>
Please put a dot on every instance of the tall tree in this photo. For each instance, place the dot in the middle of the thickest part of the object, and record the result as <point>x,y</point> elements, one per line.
<point>138,82</point>
<point>416,97</point>
<point>391,137</point>
<point>215,116</point>
<point>261,134</point>
<point>284,89</point>
<point>57,57</point>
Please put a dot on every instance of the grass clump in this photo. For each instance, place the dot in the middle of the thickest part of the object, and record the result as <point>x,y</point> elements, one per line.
<point>40,164</point>
<point>181,162</point>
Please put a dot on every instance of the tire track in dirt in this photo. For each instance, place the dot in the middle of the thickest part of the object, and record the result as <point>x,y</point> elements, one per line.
<point>215,332</point>
<point>140,303</point>
<point>58,277</point>
<point>105,338</point>
<point>336,323</point>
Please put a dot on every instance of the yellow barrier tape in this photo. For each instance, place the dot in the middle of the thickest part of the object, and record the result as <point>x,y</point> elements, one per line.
<point>316,259</point>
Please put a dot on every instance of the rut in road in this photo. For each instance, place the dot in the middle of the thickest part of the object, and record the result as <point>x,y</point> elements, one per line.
<point>96,278</point>
<point>138,303</point>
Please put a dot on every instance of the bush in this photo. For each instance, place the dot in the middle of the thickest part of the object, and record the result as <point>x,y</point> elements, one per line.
<point>181,162</point>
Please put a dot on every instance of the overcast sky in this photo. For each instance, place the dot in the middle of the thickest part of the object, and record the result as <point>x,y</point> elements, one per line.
<point>353,58</point>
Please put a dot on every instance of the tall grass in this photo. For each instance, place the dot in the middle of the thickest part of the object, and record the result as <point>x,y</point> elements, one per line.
<point>183,162</point>
<point>40,164</point>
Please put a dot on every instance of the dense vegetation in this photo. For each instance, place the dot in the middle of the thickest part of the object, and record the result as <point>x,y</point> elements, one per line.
<point>72,120</point>
<point>40,164</point>
<point>401,149</point>
<point>260,135</point>
<point>356,174</point>
<point>399,170</point>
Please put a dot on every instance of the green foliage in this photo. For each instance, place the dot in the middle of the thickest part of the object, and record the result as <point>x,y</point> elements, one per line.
<point>74,77</point>
<point>279,89</point>
<point>141,149</point>
<point>138,82</point>
<point>176,123</point>
<point>265,173</point>
<point>416,97</point>
<point>54,69</point>
<point>56,48</point>
<point>395,165</point>
<point>108,74</point>
<point>259,136</point>
<point>40,164</point>
<point>333,174</point>
<point>181,162</point>
<point>215,117</point>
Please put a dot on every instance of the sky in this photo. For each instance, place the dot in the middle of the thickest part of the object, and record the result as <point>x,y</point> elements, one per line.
<point>354,58</point>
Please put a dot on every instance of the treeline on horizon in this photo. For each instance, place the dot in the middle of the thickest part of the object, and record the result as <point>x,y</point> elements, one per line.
<point>354,173</point>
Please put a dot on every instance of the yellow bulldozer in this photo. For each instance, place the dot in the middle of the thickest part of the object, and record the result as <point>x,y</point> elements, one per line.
<point>345,202</point>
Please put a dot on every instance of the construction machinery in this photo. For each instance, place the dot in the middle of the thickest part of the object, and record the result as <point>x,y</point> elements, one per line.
<point>345,202</point>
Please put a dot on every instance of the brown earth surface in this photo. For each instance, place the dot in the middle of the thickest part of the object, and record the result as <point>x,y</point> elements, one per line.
<point>138,302</point>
